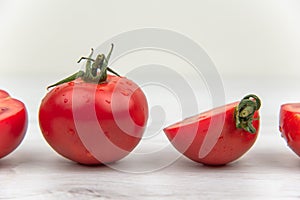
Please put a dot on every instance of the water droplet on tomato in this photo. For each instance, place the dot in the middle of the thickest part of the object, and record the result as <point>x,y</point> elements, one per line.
<point>3,109</point>
<point>106,133</point>
<point>88,154</point>
<point>71,131</point>
<point>71,83</point>
<point>65,100</point>
<point>107,101</point>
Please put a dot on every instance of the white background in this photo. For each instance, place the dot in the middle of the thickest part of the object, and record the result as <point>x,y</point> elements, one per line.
<point>48,36</point>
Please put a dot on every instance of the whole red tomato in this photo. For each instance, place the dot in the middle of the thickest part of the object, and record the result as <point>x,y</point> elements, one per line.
<point>13,123</point>
<point>94,118</point>
<point>221,143</point>
<point>289,125</point>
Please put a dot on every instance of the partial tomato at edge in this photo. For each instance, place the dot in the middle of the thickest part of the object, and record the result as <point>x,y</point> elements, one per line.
<point>289,125</point>
<point>188,135</point>
<point>13,123</point>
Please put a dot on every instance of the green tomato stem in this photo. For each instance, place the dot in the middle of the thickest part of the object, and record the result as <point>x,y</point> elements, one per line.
<point>244,112</point>
<point>68,79</point>
<point>95,69</point>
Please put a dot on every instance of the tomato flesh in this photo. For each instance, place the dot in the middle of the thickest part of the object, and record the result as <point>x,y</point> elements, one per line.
<point>70,116</point>
<point>289,125</point>
<point>13,123</point>
<point>231,143</point>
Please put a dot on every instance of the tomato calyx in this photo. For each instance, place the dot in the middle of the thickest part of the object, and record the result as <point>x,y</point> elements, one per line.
<point>244,113</point>
<point>95,69</point>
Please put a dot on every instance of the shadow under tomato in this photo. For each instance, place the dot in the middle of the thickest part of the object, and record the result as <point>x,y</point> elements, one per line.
<point>258,159</point>
<point>70,166</point>
<point>280,160</point>
<point>16,158</point>
<point>7,163</point>
<point>186,164</point>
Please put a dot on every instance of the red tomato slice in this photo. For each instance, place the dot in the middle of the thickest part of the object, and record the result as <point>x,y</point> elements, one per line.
<point>221,144</point>
<point>13,123</point>
<point>289,125</point>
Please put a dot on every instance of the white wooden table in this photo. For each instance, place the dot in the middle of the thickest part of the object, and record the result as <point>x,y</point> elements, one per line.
<point>268,171</point>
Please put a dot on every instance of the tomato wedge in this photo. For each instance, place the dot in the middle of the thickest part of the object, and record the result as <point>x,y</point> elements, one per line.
<point>289,125</point>
<point>205,139</point>
<point>13,123</point>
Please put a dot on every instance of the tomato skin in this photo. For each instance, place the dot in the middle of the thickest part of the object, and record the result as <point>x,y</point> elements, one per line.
<point>231,144</point>
<point>13,123</point>
<point>289,125</point>
<point>3,94</point>
<point>59,124</point>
